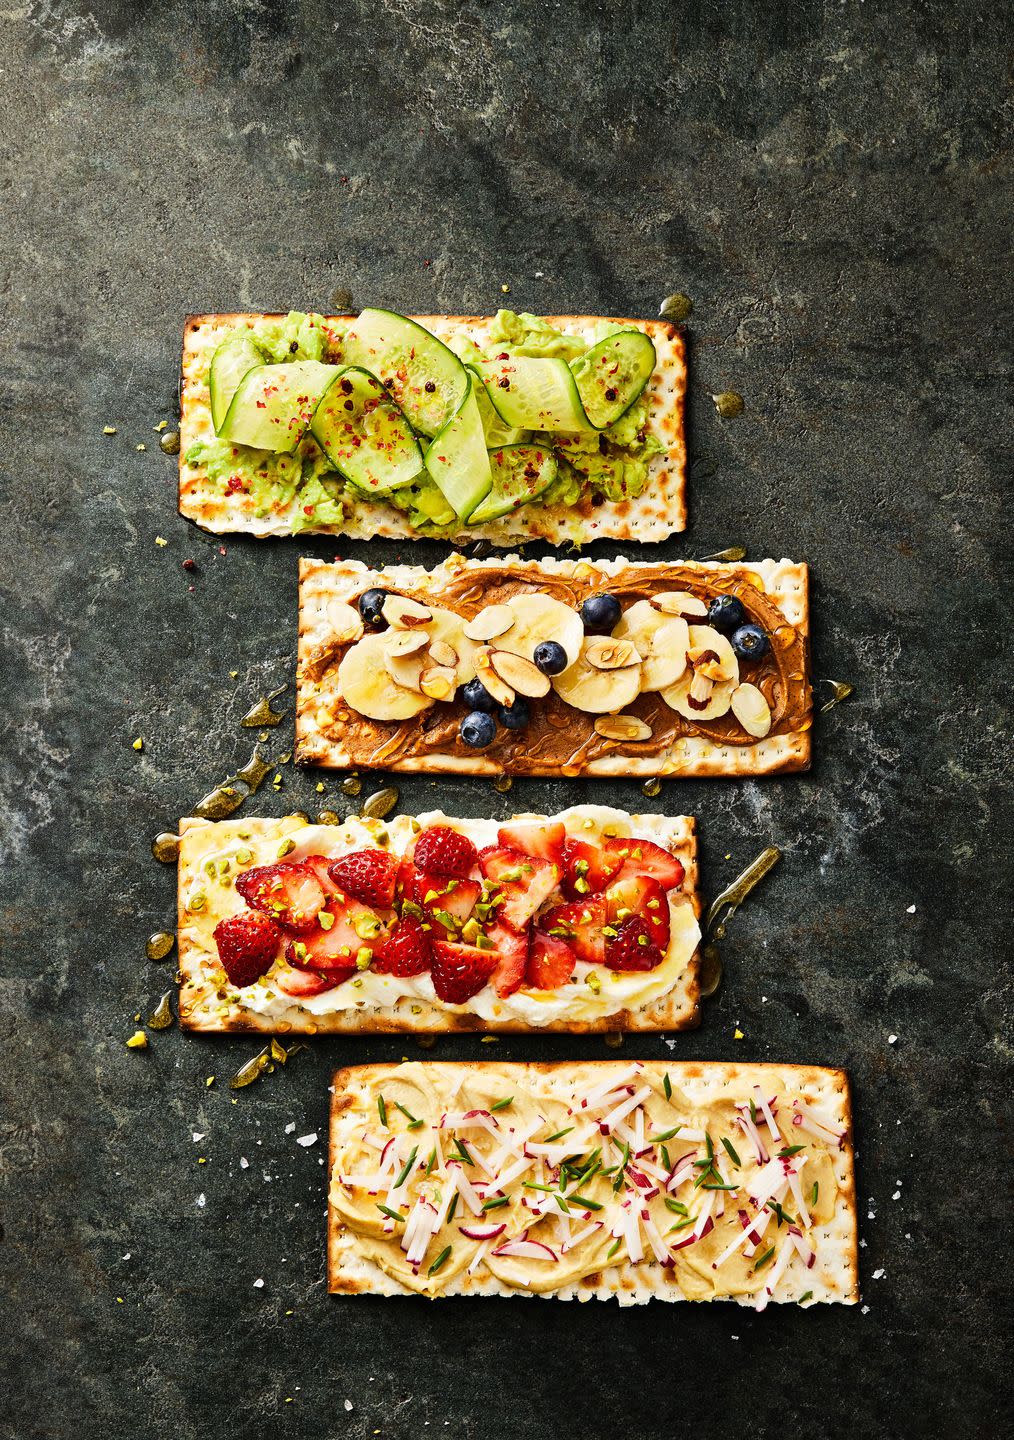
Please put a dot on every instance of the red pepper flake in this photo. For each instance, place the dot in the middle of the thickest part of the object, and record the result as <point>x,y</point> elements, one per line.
<point>307,509</point>
<point>189,565</point>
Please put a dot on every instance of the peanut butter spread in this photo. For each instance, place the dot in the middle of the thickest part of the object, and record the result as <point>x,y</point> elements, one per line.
<point>559,737</point>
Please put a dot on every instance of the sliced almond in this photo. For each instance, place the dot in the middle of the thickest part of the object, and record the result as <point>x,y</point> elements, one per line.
<point>751,710</point>
<point>520,674</point>
<point>700,692</point>
<point>597,692</point>
<point>404,642</point>
<point>438,682</point>
<point>489,623</point>
<point>345,621</point>
<point>717,704</point>
<point>609,654</point>
<point>406,670</point>
<point>443,654</point>
<point>622,727</point>
<point>711,654</point>
<point>681,603</point>
<point>403,613</point>
<point>499,689</point>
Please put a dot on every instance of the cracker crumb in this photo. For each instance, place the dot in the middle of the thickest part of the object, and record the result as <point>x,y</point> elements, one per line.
<point>307,1140</point>
<point>258,1284</point>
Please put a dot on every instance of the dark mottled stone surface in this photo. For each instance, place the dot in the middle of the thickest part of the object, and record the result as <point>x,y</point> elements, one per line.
<point>830,183</point>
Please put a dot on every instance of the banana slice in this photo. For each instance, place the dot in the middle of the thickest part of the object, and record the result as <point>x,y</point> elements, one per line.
<point>367,686</point>
<point>447,628</point>
<point>751,710</point>
<point>598,692</point>
<point>677,697</point>
<point>724,665</point>
<point>662,641</point>
<point>538,618</point>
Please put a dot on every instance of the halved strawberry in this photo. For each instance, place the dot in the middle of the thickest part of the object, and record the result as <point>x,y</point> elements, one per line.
<point>319,865</point>
<point>405,951</point>
<point>440,850</point>
<point>333,947</point>
<point>524,883</point>
<point>580,924</point>
<point>644,857</point>
<point>442,897</point>
<point>301,983</point>
<point>368,875</point>
<point>460,971</point>
<point>644,896</point>
<point>512,956</point>
<point>290,893</point>
<point>247,946</point>
<point>551,962</point>
<point>543,840</point>
<point>587,870</point>
<point>632,948</point>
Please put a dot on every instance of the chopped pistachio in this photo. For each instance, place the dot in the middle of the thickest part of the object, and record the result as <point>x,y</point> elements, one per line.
<point>139,743</point>
<point>593,982</point>
<point>325,919</point>
<point>160,542</point>
<point>138,1041</point>
<point>109,429</point>
<point>197,902</point>
<point>286,847</point>
<point>363,957</point>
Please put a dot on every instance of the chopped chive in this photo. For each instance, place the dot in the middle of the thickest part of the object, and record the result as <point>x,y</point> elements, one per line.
<point>502,1104</point>
<point>665,1158</point>
<point>393,1214</point>
<point>665,1135</point>
<point>789,1151</point>
<point>731,1151</point>
<point>558,1136</point>
<point>431,1163</point>
<point>764,1258</point>
<point>807,1296</point>
<point>779,1213</point>
<point>683,1224</point>
<point>406,1169</point>
<point>413,1123</point>
<point>667,1085</point>
<point>382,1109</point>
<point>612,1249</point>
<point>533,1185</point>
<point>463,1154</point>
<point>709,1148</point>
<point>441,1259</point>
<point>675,1206</point>
<point>814,1192</point>
<point>753,1112</point>
<point>453,1206</point>
<point>495,1204</point>
<point>583,1200</point>
<point>721,1187</point>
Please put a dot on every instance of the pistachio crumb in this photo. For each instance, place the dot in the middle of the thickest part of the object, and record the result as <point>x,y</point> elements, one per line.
<point>109,429</point>
<point>139,743</point>
<point>140,447</point>
<point>737,1034</point>
<point>160,541</point>
<point>138,1041</point>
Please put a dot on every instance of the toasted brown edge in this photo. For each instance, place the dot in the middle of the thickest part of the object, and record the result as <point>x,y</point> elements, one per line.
<point>340,1101</point>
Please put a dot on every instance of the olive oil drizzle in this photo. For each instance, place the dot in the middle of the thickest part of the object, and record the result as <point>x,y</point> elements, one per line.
<point>733,554</point>
<point>730,899</point>
<point>263,1063</point>
<point>840,690</point>
<point>262,714</point>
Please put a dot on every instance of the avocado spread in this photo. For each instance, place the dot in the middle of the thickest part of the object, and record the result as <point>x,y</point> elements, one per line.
<point>611,464</point>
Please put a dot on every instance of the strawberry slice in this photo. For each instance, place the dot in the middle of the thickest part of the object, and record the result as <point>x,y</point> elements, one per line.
<point>460,971</point>
<point>632,948</point>
<point>406,951</point>
<point>290,893</point>
<point>447,901</point>
<point>301,983</point>
<point>247,946</point>
<point>512,956</point>
<point>544,841</point>
<point>580,924</point>
<point>587,870</point>
<point>355,930</point>
<point>644,896</point>
<point>320,864</point>
<point>551,962</point>
<point>524,883</point>
<point>440,850</point>
<point>368,875</point>
<point>644,857</point>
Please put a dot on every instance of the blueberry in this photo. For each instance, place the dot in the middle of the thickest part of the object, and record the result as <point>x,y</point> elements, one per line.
<point>371,603</point>
<point>750,642</point>
<point>550,657</point>
<point>478,729</point>
<point>600,614</point>
<point>477,697</point>
<point>516,716</point>
<point>726,613</point>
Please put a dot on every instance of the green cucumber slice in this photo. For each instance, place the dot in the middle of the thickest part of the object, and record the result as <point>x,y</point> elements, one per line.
<point>274,404</point>
<point>364,434</point>
<point>237,355</point>
<point>612,374</point>
<point>457,460</point>
<point>534,393</point>
<point>521,473</point>
<point>493,428</point>
<point>423,376</point>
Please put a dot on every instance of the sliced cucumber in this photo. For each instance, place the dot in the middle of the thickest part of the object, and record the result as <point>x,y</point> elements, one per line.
<point>457,460</point>
<point>364,434</point>
<point>274,404</point>
<point>495,431</point>
<point>521,473</point>
<point>612,374</point>
<point>237,355</point>
<point>424,377</point>
<point>534,393</point>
